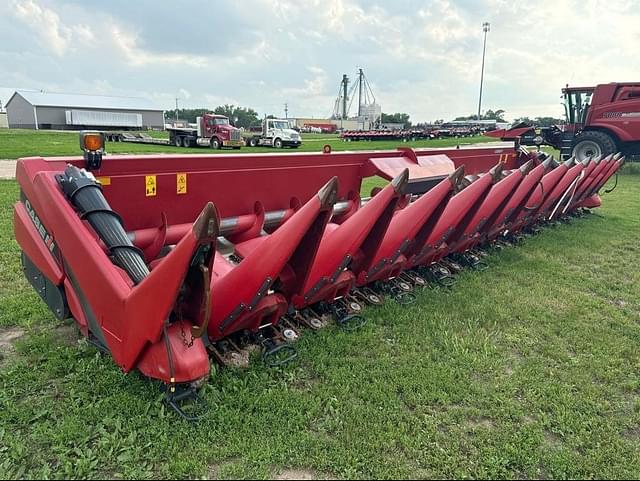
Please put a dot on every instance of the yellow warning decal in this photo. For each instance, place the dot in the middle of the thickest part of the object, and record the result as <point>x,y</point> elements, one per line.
<point>150,185</point>
<point>181,183</point>
<point>104,180</point>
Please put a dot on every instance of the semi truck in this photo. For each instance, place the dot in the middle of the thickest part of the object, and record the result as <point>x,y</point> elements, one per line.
<point>273,133</point>
<point>210,130</point>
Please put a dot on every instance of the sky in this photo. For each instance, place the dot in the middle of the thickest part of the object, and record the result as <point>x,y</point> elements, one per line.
<point>420,57</point>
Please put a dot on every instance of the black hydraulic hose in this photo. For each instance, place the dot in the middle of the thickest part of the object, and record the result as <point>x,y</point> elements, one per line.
<point>85,194</point>
<point>608,191</point>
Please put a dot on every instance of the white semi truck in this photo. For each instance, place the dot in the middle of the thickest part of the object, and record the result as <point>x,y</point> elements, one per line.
<point>273,133</point>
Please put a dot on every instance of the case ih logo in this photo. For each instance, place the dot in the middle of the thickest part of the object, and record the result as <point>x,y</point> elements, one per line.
<point>48,240</point>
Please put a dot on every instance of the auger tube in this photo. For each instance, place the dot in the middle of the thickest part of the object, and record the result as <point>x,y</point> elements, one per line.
<point>85,194</point>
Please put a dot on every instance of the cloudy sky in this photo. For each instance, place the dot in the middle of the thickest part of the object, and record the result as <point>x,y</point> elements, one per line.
<point>421,57</point>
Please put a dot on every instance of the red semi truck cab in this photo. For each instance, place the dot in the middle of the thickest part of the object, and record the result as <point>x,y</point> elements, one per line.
<point>211,130</point>
<point>218,127</point>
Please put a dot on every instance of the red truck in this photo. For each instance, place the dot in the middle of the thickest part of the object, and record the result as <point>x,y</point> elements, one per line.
<point>211,130</point>
<point>601,120</point>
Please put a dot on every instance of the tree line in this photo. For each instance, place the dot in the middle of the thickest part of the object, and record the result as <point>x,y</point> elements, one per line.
<point>239,116</point>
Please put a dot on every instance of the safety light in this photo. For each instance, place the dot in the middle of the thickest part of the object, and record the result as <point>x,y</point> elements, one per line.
<point>91,141</point>
<point>92,144</point>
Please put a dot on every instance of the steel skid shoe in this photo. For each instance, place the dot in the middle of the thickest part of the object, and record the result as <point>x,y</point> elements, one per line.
<point>454,266</point>
<point>345,316</point>
<point>277,350</point>
<point>503,241</point>
<point>399,289</point>
<point>273,342</point>
<point>438,274</point>
<point>307,317</point>
<point>368,296</point>
<point>413,278</point>
<point>469,259</point>
<point>480,252</point>
<point>184,400</point>
<point>233,351</point>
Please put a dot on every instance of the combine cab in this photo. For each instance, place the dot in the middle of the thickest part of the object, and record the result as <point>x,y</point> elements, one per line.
<point>169,262</point>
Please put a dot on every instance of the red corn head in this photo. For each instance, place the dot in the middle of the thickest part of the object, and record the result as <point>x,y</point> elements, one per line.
<point>348,245</point>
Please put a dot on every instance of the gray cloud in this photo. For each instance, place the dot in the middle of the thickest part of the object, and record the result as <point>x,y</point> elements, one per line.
<point>422,57</point>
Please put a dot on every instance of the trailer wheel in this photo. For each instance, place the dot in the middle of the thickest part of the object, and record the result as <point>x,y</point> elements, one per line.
<point>277,143</point>
<point>177,141</point>
<point>215,143</point>
<point>186,142</point>
<point>593,144</point>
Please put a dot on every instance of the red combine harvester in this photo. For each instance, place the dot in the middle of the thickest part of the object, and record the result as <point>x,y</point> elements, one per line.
<point>165,261</point>
<point>601,121</point>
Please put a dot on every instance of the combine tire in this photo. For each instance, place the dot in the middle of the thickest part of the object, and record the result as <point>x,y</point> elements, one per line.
<point>277,143</point>
<point>593,144</point>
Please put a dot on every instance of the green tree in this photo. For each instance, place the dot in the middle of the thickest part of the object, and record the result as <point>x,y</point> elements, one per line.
<point>397,118</point>
<point>547,121</point>
<point>185,114</point>
<point>539,121</point>
<point>497,115</point>
<point>523,120</point>
<point>240,116</point>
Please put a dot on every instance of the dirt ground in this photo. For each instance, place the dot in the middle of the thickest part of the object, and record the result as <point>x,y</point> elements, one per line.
<point>7,169</point>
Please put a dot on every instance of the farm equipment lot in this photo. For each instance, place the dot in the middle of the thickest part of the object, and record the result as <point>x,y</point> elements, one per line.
<point>16,143</point>
<point>528,369</point>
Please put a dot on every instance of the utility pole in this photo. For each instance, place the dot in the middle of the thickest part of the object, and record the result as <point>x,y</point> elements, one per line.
<point>286,111</point>
<point>486,27</point>
<point>176,109</point>
<point>360,84</point>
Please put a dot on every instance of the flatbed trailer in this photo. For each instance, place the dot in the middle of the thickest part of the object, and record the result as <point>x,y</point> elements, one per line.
<point>135,137</point>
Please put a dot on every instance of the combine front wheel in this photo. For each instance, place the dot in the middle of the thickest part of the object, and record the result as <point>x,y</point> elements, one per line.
<point>593,144</point>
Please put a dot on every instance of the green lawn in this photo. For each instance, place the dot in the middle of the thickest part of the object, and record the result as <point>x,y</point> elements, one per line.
<point>16,143</point>
<point>528,370</point>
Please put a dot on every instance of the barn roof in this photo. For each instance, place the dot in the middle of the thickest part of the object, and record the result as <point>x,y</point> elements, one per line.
<point>82,101</point>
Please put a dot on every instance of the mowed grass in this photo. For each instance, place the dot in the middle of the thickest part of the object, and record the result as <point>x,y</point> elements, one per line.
<point>528,370</point>
<point>16,143</point>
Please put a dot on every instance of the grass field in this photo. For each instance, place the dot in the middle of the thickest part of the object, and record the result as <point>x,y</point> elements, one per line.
<point>16,143</point>
<point>528,370</point>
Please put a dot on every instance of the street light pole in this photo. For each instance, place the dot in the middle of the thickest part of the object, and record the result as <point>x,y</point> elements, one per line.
<point>486,27</point>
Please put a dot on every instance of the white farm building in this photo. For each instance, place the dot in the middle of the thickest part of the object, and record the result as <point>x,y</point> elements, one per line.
<point>47,110</point>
